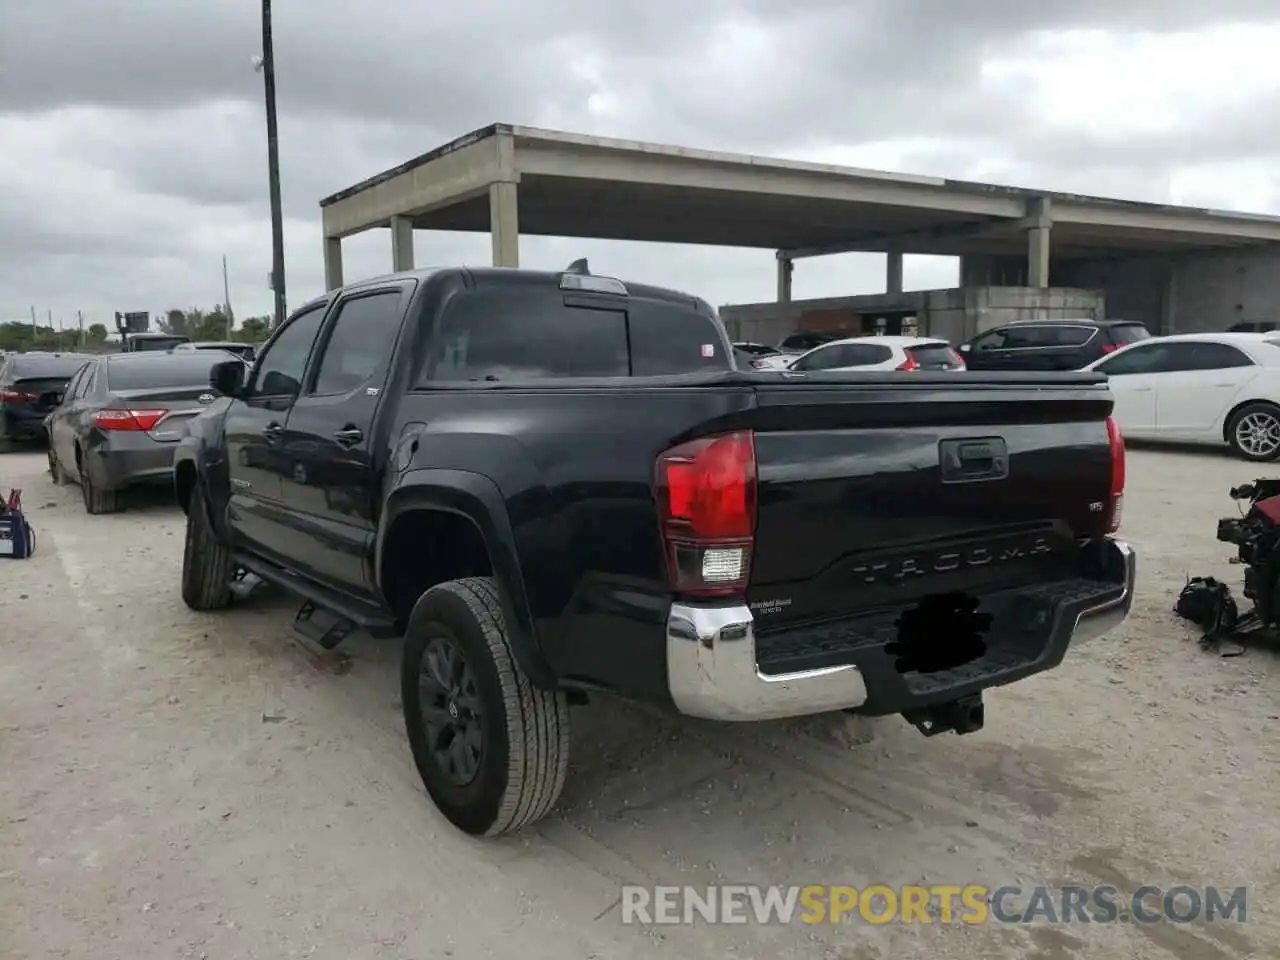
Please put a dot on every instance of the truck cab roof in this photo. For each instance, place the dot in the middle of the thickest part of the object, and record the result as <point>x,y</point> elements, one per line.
<point>501,276</point>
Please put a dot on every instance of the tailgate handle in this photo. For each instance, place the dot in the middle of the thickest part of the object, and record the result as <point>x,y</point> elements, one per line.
<point>980,458</point>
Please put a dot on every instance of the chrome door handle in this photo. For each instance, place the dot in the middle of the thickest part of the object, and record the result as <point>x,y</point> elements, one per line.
<point>349,436</point>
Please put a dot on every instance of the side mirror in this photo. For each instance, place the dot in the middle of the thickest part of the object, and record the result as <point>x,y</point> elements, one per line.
<point>228,378</point>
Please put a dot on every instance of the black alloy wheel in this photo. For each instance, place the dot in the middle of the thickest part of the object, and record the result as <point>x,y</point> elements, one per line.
<point>452,711</point>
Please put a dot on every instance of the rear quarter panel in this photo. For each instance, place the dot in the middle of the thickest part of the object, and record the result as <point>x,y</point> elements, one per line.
<point>575,469</point>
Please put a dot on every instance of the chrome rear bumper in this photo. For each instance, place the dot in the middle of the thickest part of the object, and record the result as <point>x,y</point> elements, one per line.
<point>712,669</point>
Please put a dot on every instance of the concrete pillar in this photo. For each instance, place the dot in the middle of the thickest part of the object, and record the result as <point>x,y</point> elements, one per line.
<point>1040,226</point>
<point>786,267</point>
<point>332,263</point>
<point>504,224</point>
<point>401,244</point>
<point>893,272</point>
<point>1169,301</point>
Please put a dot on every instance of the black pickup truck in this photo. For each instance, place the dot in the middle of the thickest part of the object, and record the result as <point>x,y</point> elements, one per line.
<point>553,484</point>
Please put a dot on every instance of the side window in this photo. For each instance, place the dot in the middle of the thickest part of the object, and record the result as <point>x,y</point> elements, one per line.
<point>991,340</point>
<point>86,380</point>
<point>360,341</point>
<point>279,371</point>
<point>1067,336</point>
<point>667,338</point>
<point>90,381</point>
<point>824,358</point>
<point>1156,358</point>
<point>863,354</point>
<point>518,333</point>
<point>71,390</point>
<point>1216,356</point>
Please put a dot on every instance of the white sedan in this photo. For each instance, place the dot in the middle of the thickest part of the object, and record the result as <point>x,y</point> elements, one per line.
<point>1214,388</point>
<point>880,353</point>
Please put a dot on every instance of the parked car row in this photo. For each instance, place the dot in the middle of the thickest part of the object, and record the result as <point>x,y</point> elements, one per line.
<point>1205,388</point>
<point>110,421</point>
<point>119,420</point>
<point>31,385</point>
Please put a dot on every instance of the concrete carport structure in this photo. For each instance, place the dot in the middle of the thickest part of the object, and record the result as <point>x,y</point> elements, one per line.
<point>510,180</point>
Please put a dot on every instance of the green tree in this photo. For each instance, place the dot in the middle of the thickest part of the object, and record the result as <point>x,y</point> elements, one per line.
<point>196,323</point>
<point>96,334</point>
<point>21,335</point>
<point>253,330</point>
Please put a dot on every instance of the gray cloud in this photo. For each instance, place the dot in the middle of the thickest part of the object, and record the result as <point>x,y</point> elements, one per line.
<point>134,152</point>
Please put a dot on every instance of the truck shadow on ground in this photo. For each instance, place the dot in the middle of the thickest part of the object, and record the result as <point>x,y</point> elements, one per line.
<point>655,798</point>
<point>148,500</point>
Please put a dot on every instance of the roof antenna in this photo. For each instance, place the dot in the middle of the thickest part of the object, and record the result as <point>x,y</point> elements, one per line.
<point>579,267</point>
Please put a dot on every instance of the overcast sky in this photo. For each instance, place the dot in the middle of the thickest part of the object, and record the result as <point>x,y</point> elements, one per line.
<point>133,151</point>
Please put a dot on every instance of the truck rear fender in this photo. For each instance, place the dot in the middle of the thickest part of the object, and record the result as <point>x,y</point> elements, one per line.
<point>431,495</point>
<point>199,459</point>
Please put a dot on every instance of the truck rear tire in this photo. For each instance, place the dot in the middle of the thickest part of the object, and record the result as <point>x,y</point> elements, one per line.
<point>207,564</point>
<point>492,749</point>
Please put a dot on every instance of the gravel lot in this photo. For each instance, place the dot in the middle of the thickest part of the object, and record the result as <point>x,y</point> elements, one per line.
<point>186,785</point>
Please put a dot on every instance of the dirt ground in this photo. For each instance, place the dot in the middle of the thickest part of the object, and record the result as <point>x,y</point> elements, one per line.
<point>186,785</point>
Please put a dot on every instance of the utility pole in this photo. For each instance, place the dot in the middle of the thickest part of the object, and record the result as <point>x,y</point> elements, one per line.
<point>273,166</point>
<point>80,324</point>
<point>226,297</point>
<point>33,325</point>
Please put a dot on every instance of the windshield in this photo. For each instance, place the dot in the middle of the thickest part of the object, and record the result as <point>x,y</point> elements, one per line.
<point>803,342</point>
<point>162,372</point>
<point>139,344</point>
<point>239,349</point>
<point>33,366</point>
<point>935,356</point>
<point>1130,333</point>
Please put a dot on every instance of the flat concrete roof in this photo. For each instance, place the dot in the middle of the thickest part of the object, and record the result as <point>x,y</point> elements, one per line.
<point>573,185</point>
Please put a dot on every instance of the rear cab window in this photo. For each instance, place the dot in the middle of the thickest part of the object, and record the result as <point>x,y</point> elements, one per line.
<point>520,333</point>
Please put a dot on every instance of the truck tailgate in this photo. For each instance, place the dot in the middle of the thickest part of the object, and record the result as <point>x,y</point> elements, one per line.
<point>878,490</point>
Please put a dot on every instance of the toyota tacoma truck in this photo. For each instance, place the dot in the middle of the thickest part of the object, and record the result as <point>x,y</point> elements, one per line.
<point>559,484</point>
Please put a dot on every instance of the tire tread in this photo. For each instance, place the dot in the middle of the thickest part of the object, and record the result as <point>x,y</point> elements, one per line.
<point>207,564</point>
<point>537,720</point>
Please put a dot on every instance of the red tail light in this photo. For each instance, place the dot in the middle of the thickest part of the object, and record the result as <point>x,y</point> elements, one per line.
<point>958,359</point>
<point>17,396</point>
<point>1115,504</point>
<point>140,420</point>
<point>706,492</point>
<point>1109,347</point>
<point>909,363</point>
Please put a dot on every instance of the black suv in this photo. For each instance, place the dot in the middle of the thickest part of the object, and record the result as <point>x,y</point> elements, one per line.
<point>1049,344</point>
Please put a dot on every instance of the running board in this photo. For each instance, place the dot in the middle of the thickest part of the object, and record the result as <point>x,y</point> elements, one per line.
<point>325,605</point>
<point>322,627</point>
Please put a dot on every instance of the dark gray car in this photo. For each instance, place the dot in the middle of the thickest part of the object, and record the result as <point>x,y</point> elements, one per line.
<point>121,417</point>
